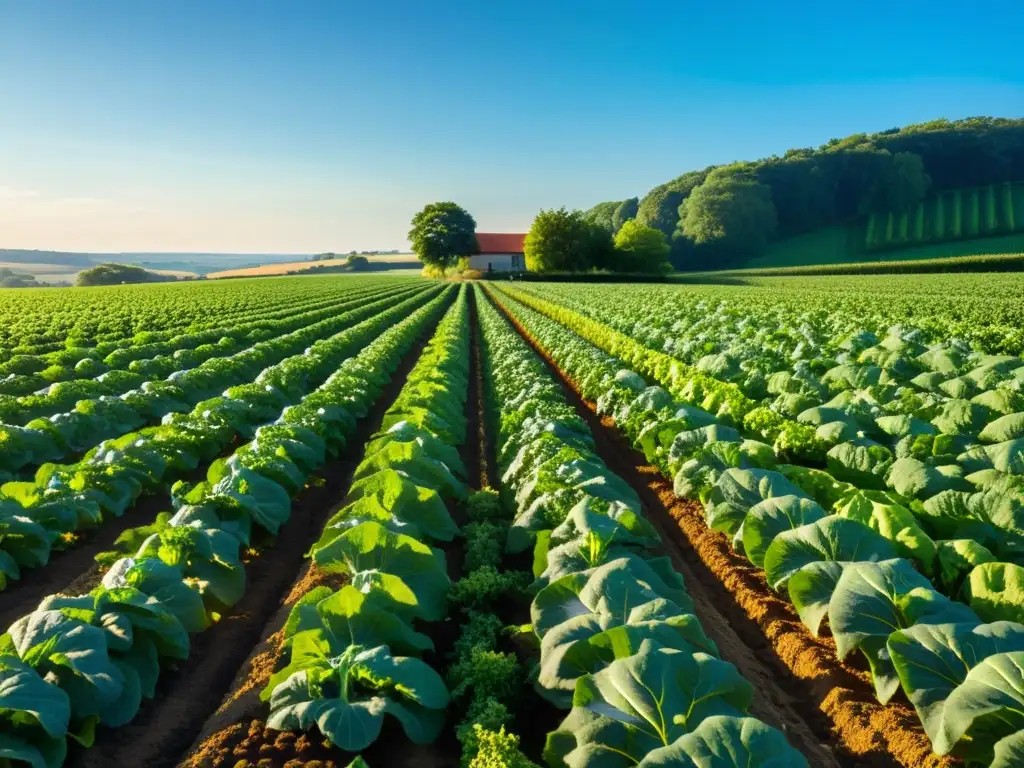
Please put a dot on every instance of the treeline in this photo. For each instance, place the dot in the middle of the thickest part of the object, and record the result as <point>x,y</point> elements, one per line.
<point>723,215</point>
<point>118,274</point>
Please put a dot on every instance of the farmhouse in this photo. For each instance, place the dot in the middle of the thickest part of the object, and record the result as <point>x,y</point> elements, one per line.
<point>498,252</point>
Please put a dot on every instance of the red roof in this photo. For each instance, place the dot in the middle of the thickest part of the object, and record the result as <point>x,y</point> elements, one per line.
<point>499,242</point>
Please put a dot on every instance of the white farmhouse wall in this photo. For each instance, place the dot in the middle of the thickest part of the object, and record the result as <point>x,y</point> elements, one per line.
<point>499,262</point>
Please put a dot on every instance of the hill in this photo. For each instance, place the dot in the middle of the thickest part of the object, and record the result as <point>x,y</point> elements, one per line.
<point>379,262</point>
<point>886,195</point>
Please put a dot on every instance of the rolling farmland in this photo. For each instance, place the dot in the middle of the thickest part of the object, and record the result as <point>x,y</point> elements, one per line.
<point>385,521</point>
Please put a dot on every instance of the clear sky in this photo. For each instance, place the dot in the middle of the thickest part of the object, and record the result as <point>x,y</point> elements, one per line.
<point>308,125</point>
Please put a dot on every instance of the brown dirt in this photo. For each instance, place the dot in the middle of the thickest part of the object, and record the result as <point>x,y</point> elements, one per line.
<point>189,694</point>
<point>800,686</point>
<point>474,450</point>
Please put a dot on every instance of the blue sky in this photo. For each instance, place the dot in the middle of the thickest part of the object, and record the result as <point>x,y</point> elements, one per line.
<point>312,125</point>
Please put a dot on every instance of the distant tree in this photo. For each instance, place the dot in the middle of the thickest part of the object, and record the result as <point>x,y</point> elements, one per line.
<point>441,233</point>
<point>729,211</point>
<point>116,274</point>
<point>561,240</point>
<point>901,184</point>
<point>625,211</point>
<point>660,207</point>
<point>641,249</point>
<point>602,214</point>
<point>357,263</point>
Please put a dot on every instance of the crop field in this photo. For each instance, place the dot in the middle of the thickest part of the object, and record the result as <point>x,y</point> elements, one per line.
<point>391,522</point>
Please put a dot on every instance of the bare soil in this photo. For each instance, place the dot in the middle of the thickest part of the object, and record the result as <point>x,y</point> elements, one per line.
<point>826,708</point>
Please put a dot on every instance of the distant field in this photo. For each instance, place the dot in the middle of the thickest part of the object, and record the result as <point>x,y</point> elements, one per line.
<point>407,259</point>
<point>53,273</point>
<point>842,245</point>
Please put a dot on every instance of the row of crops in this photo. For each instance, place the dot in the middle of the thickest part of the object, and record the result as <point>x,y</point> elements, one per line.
<point>960,213</point>
<point>875,474</point>
<point>482,588</point>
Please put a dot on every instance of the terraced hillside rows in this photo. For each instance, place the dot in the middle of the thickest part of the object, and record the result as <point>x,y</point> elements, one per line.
<point>392,522</point>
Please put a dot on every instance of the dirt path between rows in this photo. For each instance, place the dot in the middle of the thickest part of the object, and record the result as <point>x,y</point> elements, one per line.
<point>189,694</point>
<point>800,686</point>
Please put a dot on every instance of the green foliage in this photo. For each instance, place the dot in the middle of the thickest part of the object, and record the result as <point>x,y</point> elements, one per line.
<point>118,274</point>
<point>640,249</point>
<point>732,212</point>
<point>900,183</point>
<point>485,587</point>
<point>624,211</point>
<point>497,749</point>
<point>603,214</point>
<point>441,233</point>
<point>561,240</point>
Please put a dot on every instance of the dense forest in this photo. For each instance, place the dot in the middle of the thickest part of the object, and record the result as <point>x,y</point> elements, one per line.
<point>723,215</point>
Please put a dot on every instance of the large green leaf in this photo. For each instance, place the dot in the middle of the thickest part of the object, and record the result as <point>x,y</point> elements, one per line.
<point>722,741</point>
<point>996,591</point>
<point>163,582</point>
<point>831,538</point>
<point>646,701</point>
<point>955,559</point>
<point>346,697</point>
<point>860,462</point>
<point>768,518</point>
<point>584,644</point>
<point>38,751</point>
<point>615,588</point>
<point>987,706</point>
<point>873,600</point>
<point>412,459</point>
<point>26,699</point>
<point>590,537</point>
<point>915,479</point>
<point>810,590</point>
<point>398,503</point>
<point>74,653</point>
<point>882,513</point>
<point>412,573</point>
<point>352,617</point>
<point>1010,427</point>
<point>933,659</point>
<point>737,490</point>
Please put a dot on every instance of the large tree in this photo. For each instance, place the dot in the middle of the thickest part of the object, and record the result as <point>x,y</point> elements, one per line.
<point>566,241</point>
<point>660,207</point>
<point>625,211</point>
<point>602,214</point>
<point>641,249</point>
<point>441,233</point>
<point>730,211</point>
<point>901,184</point>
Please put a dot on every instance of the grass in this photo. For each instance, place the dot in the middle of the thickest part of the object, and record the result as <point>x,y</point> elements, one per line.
<point>990,262</point>
<point>842,245</point>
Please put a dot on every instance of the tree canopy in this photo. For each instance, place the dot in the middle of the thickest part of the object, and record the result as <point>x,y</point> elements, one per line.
<point>116,274</point>
<point>640,248</point>
<point>561,240</point>
<point>729,211</point>
<point>441,233</point>
<point>834,184</point>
